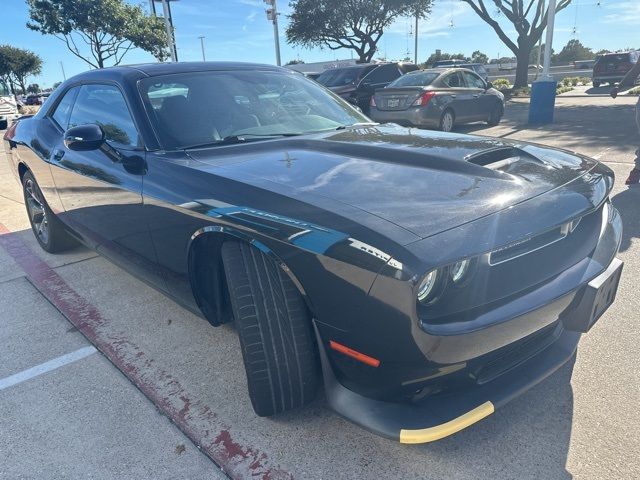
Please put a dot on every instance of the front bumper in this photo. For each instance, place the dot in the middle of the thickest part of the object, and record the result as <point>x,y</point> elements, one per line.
<point>443,415</point>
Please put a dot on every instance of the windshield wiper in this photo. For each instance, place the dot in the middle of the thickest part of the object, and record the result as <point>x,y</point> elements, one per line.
<point>242,138</point>
<point>359,124</point>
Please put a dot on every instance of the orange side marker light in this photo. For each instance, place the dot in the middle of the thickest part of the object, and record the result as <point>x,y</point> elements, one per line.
<point>372,362</point>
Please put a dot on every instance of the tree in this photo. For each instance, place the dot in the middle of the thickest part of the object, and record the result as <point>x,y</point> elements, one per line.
<point>26,63</point>
<point>6,56</point>
<point>353,24</point>
<point>533,56</point>
<point>108,28</point>
<point>479,57</point>
<point>294,62</point>
<point>16,65</point>
<point>572,51</point>
<point>529,17</point>
<point>438,56</point>
<point>33,88</point>
<point>56,85</point>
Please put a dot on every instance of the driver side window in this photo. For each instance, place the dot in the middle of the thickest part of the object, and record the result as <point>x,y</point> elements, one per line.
<point>473,80</point>
<point>104,105</point>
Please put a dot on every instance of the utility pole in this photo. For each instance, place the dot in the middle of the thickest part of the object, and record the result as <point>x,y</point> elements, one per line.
<point>415,48</point>
<point>168,23</point>
<point>64,76</point>
<point>272,15</point>
<point>201,37</point>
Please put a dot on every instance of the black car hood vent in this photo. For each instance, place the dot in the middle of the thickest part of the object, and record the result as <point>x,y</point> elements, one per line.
<point>500,158</point>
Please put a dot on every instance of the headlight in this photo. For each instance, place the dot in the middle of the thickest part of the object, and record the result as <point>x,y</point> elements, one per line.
<point>459,270</point>
<point>427,286</point>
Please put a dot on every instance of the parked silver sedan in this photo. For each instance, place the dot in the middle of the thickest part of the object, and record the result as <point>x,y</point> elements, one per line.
<point>438,98</point>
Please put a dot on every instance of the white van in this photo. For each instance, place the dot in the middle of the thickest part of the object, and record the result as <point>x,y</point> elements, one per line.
<point>8,111</point>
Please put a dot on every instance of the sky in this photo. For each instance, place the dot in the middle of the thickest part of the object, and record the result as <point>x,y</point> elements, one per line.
<point>239,30</point>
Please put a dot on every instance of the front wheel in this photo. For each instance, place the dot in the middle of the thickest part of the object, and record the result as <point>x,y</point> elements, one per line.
<point>495,116</point>
<point>48,230</point>
<point>447,121</point>
<point>274,327</point>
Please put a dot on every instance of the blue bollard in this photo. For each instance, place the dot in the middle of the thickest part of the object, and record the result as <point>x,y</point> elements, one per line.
<point>543,101</point>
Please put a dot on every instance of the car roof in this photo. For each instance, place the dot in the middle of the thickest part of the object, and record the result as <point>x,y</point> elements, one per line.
<point>128,72</point>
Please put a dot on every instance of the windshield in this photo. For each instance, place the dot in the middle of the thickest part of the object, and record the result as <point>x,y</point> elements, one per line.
<point>340,77</point>
<point>189,109</point>
<point>420,79</point>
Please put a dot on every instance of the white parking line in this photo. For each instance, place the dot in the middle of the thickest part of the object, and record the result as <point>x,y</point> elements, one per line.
<point>46,367</point>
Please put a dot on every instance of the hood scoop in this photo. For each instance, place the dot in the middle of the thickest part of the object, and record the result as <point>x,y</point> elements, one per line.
<point>500,158</point>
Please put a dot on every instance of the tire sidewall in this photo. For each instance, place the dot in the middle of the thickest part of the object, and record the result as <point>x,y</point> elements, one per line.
<point>442,118</point>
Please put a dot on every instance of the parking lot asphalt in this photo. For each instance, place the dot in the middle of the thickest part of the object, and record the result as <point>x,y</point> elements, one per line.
<point>99,416</point>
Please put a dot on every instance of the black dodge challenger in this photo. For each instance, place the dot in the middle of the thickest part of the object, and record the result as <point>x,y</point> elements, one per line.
<point>425,278</point>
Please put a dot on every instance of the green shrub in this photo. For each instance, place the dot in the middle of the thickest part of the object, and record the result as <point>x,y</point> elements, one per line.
<point>574,81</point>
<point>566,81</point>
<point>501,83</point>
<point>563,89</point>
<point>634,91</point>
<point>585,81</point>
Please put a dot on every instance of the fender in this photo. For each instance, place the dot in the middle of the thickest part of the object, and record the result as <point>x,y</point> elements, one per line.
<point>217,314</point>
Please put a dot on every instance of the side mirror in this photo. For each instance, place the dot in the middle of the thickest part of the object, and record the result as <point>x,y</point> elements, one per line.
<point>489,85</point>
<point>84,138</point>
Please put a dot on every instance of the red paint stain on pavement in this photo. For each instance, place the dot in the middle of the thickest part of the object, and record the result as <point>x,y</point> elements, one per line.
<point>194,418</point>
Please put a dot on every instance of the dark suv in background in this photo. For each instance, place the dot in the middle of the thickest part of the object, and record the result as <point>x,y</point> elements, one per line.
<point>612,67</point>
<point>358,83</point>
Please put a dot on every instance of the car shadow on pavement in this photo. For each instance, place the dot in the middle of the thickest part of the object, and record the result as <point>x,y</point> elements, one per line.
<point>628,204</point>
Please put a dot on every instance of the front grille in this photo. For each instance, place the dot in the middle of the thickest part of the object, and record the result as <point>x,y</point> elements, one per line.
<point>511,356</point>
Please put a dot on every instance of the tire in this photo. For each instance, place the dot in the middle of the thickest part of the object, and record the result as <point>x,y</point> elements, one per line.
<point>447,121</point>
<point>596,84</point>
<point>496,116</point>
<point>48,230</point>
<point>274,328</point>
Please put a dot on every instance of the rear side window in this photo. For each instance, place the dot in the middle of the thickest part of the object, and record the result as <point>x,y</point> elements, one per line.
<point>454,80</point>
<point>104,105</point>
<point>383,74</point>
<point>62,111</point>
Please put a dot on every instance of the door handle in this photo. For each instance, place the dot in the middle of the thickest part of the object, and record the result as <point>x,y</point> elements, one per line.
<point>57,155</point>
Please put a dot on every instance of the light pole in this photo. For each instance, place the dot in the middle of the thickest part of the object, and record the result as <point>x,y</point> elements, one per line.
<point>168,23</point>
<point>551,18</point>
<point>415,48</point>
<point>201,37</point>
<point>64,76</point>
<point>272,15</point>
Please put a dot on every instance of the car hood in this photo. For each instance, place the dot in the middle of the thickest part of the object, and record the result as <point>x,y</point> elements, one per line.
<point>423,182</point>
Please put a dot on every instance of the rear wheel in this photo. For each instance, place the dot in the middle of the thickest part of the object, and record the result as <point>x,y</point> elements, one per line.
<point>274,327</point>
<point>596,84</point>
<point>495,116</point>
<point>447,121</point>
<point>49,232</point>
